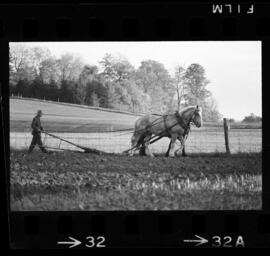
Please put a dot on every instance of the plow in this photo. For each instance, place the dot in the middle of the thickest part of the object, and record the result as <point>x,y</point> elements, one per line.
<point>96,151</point>
<point>85,149</point>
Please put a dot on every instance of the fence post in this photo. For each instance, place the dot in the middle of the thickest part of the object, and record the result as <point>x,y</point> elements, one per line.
<point>226,135</point>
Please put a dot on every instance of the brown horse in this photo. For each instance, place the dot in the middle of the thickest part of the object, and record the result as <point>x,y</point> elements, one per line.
<point>175,126</point>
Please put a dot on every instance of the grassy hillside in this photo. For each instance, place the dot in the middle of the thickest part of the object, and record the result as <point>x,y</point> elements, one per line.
<point>59,117</point>
<point>66,118</point>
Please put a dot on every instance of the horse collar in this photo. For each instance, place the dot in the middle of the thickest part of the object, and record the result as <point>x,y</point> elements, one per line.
<point>182,122</point>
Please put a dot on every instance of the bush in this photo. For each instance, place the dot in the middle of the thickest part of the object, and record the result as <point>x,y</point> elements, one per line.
<point>252,118</point>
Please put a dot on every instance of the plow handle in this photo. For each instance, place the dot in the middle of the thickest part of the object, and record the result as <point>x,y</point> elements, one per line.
<point>52,135</point>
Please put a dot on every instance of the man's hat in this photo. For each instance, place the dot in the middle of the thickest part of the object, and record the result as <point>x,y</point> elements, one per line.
<point>39,112</point>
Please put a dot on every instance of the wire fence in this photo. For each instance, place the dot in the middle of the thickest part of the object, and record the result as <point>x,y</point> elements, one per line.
<point>207,139</point>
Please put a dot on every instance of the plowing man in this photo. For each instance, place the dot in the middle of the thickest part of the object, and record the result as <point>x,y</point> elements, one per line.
<point>36,132</point>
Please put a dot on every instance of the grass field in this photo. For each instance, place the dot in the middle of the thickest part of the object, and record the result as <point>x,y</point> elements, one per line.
<point>78,181</point>
<point>64,118</point>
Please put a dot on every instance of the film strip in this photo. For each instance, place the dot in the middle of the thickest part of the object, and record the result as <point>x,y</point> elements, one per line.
<point>145,230</point>
<point>88,230</point>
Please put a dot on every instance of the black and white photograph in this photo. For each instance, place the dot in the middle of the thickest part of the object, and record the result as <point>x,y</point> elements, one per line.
<point>135,126</point>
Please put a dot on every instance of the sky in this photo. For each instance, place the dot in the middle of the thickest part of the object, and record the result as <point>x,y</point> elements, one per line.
<point>233,67</point>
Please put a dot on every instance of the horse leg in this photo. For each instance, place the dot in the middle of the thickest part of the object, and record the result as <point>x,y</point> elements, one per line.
<point>135,141</point>
<point>147,143</point>
<point>177,152</point>
<point>142,150</point>
<point>173,140</point>
<point>183,140</point>
<point>184,152</point>
<point>141,145</point>
<point>167,153</point>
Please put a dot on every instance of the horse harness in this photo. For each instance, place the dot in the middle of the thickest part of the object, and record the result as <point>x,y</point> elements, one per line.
<point>165,125</point>
<point>182,123</point>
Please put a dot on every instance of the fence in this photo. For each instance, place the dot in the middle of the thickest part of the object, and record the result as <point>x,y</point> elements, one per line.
<point>212,137</point>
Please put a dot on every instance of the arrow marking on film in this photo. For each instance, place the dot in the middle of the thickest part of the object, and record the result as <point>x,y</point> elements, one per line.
<point>73,243</point>
<point>199,241</point>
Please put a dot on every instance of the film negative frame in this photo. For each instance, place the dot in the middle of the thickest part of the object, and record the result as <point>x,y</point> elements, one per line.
<point>132,22</point>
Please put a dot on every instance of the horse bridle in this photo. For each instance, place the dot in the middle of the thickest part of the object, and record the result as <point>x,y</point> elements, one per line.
<point>193,115</point>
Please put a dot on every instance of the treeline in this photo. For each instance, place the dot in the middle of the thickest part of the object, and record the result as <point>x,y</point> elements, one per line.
<point>115,83</point>
<point>252,118</point>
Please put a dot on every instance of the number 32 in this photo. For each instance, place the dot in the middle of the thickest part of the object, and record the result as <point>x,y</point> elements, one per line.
<point>95,242</point>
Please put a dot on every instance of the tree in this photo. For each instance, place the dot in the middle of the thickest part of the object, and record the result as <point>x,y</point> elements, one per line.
<point>113,98</point>
<point>38,88</point>
<point>18,55</point>
<point>116,69</point>
<point>49,71</point>
<point>25,62</point>
<point>179,85</point>
<point>107,67</point>
<point>86,77</point>
<point>41,74</point>
<point>52,90</point>
<point>210,110</point>
<point>119,75</point>
<point>94,100</point>
<point>101,90</point>
<point>154,79</point>
<point>196,92</point>
<point>20,64</point>
<point>70,67</point>
<point>139,101</point>
<point>38,55</point>
<point>20,88</point>
<point>252,118</point>
<point>94,93</point>
<point>196,82</point>
<point>66,92</point>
